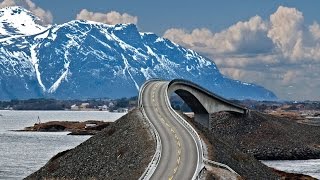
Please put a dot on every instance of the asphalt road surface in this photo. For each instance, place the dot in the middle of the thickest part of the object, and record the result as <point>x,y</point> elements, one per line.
<point>179,155</point>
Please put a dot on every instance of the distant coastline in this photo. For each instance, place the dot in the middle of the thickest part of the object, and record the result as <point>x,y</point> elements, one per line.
<point>99,104</point>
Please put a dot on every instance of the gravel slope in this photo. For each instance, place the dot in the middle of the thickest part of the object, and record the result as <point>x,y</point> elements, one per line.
<point>121,151</point>
<point>225,152</point>
<point>245,165</point>
<point>267,137</point>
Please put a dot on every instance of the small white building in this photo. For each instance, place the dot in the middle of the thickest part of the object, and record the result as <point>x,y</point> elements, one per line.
<point>84,105</point>
<point>103,108</point>
<point>74,107</point>
<point>90,125</point>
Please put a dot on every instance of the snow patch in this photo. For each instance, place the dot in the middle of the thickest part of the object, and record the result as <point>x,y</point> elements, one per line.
<point>189,68</point>
<point>244,83</point>
<point>35,63</point>
<point>127,66</point>
<point>146,73</point>
<point>126,46</point>
<point>55,85</point>
<point>159,39</point>
<point>42,35</point>
<point>170,47</point>
<point>18,21</point>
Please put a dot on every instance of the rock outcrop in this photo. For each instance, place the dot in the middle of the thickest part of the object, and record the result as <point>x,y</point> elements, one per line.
<point>90,127</point>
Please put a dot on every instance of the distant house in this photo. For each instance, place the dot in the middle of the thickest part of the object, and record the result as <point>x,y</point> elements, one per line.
<point>103,108</point>
<point>74,107</point>
<point>90,125</point>
<point>111,104</point>
<point>122,110</point>
<point>8,108</point>
<point>84,105</point>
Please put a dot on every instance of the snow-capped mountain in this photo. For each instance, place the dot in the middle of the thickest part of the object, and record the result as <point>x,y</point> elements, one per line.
<point>17,21</point>
<point>83,59</point>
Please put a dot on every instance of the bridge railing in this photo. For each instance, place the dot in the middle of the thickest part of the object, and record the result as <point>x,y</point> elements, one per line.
<point>199,144</point>
<point>194,135</point>
<point>157,155</point>
<point>206,91</point>
<point>142,89</point>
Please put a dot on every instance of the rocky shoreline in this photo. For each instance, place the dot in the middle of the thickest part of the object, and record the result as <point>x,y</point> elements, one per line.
<point>90,127</point>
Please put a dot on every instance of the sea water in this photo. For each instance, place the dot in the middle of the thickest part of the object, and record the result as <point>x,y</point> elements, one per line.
<point>309,167</point>
<point>22,153</point>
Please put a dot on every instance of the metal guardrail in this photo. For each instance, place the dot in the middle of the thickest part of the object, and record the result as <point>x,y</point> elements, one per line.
<point>194,132</point>
<point>142,89</point>
<point>220,165</point>
<point>157,155</point>
<point>194,135</point>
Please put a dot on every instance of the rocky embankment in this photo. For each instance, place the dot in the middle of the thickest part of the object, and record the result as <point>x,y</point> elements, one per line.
<point>90,127</point>
<point>220,151</point>
<point>227,152</point>
<point>244,164</point>
<point>267,137</point>
<point>120,151</point>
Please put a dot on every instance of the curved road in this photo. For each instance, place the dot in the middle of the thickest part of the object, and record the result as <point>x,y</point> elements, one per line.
<point>180,154</point>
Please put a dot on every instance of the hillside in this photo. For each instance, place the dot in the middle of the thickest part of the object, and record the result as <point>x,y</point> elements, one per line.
<point>267,137</point>
<point>121,151</point>
<point>83,59</point>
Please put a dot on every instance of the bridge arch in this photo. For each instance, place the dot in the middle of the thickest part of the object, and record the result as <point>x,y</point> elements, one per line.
<point>201,101</point>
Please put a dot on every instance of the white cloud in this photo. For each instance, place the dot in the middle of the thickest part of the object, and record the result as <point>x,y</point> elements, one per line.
<point>315,30</point>
<point>286,31</point>
<point>289,76</point>
<point>284,34</point>
<point>279,52</point>
<point>7,3</point>
<point>296,41</point>
<point>44,15</point>
<point>112,17</point>
<point>244,37</point>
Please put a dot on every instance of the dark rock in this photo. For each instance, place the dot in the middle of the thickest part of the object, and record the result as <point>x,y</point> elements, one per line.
<point>76,128</point>
<point>268,137</point>
<point>227,153</point>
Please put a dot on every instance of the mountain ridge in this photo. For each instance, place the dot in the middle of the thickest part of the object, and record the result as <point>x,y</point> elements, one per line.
<point>85,59</point>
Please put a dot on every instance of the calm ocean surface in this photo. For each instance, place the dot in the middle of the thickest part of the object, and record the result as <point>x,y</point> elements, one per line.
<point>22,153</point>
<point>310,167</point>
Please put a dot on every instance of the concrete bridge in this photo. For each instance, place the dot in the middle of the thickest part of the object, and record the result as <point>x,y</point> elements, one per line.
<point>202,102</point>
<point>179,153</point>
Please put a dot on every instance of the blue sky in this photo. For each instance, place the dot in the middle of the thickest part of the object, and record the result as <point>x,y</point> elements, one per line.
<point>158,16</point>
<point>275,44</point>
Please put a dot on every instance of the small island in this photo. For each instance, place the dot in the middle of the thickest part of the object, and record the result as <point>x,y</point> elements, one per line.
<point>90,127</point>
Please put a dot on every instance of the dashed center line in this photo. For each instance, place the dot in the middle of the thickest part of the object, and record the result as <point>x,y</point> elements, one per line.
<point>173,132</point>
